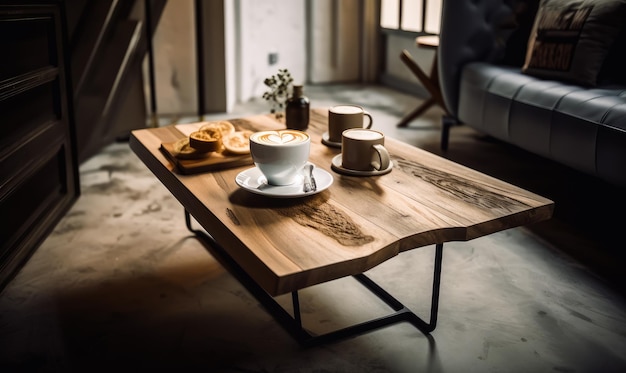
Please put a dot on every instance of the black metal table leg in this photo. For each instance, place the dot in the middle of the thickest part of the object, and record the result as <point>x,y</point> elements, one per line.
<point>293,324</point>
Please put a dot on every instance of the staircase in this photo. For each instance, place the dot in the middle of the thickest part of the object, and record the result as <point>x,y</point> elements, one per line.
<point>108,40</point>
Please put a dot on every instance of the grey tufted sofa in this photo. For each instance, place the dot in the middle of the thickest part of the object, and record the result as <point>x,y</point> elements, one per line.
<point>479,59</point>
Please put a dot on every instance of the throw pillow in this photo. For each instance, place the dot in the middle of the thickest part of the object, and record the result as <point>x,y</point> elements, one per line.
<point>571,38</point>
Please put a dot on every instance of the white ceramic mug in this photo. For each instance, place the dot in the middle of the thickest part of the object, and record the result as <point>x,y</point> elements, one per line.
<point>364,150</point>
<point>280,155</point>
<point>343,117</point>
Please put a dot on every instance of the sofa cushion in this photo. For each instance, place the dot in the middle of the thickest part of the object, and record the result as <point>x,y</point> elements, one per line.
<point>576,126</point>
<point>572,38</point>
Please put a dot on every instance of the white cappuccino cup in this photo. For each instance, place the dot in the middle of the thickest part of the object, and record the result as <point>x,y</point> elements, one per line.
<point>280,155</point>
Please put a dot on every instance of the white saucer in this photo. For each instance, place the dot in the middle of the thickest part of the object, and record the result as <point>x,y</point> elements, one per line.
<point>327,142</point>
<point>337,167</point>
<point>253,181</point>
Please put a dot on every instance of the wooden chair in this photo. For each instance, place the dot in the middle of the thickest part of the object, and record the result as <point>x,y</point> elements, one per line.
<point>430,82</point>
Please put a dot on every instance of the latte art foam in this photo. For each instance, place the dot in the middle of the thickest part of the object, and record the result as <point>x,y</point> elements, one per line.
<point>282,137</point>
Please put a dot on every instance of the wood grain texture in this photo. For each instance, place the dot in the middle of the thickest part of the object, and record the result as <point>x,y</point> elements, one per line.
<point>356,224</point>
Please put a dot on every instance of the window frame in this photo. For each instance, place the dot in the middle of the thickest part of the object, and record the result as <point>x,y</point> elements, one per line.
<point>399,31</point>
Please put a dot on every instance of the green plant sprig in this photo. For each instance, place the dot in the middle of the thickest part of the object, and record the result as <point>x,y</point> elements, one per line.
<point>278,91</point>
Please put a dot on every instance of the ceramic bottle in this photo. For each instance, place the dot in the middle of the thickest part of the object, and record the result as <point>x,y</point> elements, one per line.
<point>297,110</point>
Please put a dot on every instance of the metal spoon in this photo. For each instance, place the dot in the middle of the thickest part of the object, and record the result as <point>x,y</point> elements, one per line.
<point>309,181</point>
<point>313,184</point>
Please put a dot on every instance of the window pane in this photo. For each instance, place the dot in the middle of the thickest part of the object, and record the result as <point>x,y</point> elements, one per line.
<point>433,16</point>
<point>389,13</point>
<point>412,15</point>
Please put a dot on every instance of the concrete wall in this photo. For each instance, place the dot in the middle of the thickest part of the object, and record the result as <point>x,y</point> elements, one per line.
<point>254,29</point>
<point>175,60</point>
<point>270,26</point>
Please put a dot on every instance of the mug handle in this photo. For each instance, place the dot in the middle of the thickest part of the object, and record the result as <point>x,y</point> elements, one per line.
<point>383,156</point>
<point>370,122</point>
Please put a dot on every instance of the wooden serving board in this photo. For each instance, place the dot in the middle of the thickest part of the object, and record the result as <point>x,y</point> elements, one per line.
<point>213,161</point>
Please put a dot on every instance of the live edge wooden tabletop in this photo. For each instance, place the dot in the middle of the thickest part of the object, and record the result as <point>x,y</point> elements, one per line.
<point>354,225</point>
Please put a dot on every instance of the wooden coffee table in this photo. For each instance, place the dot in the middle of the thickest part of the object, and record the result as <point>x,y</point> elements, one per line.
<point>278,246</point>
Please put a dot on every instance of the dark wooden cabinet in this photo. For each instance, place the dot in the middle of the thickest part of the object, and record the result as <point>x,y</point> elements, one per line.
<point>70,84</point>
<point>38,162</point>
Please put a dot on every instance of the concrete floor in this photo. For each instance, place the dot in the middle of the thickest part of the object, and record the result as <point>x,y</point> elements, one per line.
<point>122,285</point>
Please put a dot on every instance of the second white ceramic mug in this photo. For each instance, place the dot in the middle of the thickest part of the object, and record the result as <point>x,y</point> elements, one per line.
<point>280,155</point>
<point>364,150</point>
<point>343,117</point>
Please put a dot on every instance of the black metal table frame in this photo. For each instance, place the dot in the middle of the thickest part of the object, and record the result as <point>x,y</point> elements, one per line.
<point>293,324</point>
